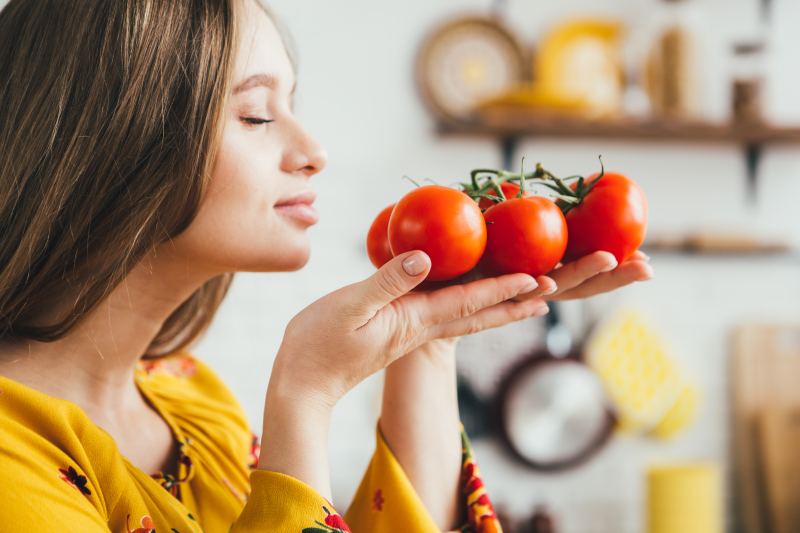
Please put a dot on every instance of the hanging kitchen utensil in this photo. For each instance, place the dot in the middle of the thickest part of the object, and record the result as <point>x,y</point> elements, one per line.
<point>468,60</point>
<point>475,410</point>
<point>553,411</point>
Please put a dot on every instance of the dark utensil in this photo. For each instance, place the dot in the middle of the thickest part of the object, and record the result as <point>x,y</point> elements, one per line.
<point>552,408</point>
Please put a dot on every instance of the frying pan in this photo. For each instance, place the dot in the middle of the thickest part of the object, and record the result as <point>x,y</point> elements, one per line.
<point>552,408</point>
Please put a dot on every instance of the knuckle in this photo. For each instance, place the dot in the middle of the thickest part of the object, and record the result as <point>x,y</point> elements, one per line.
<point>388,283</point>
<point>519,312</point>
<point>467,307</point>
<point>535,311</point>
<point>506,290</point>
<point>469,304</point>
<point>471,327</point>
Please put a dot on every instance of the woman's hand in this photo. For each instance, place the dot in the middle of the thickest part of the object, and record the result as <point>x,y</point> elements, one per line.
<point>590,275</point>
<point>346,336</point>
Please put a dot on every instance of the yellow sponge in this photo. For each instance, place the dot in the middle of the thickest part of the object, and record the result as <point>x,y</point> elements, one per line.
<point>643,381</point>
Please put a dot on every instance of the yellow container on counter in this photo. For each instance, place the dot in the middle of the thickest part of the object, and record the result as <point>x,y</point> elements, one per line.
<point>684,498</point>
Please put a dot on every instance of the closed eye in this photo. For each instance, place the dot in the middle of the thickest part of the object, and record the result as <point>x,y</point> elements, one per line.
<point>253,121</point>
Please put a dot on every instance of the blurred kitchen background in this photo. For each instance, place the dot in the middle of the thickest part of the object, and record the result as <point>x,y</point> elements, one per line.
<point>677,410</point>
<point>697,100</point>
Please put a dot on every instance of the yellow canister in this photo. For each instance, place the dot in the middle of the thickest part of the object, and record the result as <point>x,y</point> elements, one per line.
<point>684,498</point>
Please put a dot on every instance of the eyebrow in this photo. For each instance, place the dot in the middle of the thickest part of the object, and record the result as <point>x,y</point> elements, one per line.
<point>258,80</point>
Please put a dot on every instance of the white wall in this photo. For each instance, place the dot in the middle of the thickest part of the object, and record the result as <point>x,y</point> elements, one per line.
<point>357,95</point>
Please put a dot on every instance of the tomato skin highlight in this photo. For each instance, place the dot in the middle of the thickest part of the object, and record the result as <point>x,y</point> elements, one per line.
<point>611,218</point>
<point>378,248</point>
<point>525,235</point>
<point>444,223</point>
<point>511,190</point>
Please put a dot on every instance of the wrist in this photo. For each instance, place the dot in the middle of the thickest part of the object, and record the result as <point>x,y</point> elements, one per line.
<point>427,371</point>
<point>287,420</point>
<point>292,381</point>
<point>438,353</point>
<point>295,437</point>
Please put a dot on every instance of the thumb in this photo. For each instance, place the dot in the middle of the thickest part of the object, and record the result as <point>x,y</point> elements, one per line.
<point>391,281</point>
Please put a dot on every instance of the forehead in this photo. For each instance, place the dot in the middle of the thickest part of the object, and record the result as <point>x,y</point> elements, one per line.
<point>260,47</point>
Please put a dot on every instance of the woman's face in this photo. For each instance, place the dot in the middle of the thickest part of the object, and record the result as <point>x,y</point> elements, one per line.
<point>258,205</point>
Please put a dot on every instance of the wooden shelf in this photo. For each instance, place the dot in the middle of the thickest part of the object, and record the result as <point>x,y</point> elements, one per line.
<point>508,121</point>
<point>509,124</point>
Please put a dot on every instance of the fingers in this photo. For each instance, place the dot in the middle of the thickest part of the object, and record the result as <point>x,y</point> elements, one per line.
<point>547,286</point>
<point>461,301</point>
<point>628,272</point>
<point>392,280</point>
<point>575,273</point>
<point>491,317</point>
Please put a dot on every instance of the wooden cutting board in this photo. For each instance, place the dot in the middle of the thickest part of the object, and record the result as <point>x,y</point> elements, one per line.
<point>765,376</point>
<point>779,450</point>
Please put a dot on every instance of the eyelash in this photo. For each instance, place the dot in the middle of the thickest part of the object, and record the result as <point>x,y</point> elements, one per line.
<point>253,121</point>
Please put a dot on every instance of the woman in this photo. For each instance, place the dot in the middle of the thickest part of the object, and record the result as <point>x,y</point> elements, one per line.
<point>148,151</point>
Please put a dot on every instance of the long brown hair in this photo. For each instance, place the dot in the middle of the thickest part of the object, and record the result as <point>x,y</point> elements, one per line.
<point>110,117</point>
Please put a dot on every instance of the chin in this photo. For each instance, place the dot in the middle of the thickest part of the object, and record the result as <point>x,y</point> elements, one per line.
<point>291,260</point>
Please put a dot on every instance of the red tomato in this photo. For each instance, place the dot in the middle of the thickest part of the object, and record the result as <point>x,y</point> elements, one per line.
<point>527,235</point>
<point>378,248</point>
<point>511,190</point>
<point>612,218</point>
<point>445,223</point>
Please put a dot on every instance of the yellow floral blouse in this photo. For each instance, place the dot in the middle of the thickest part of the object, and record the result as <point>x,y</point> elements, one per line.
<point>61,472</point>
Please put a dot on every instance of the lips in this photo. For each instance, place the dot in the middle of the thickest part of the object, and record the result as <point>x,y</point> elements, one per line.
<point>299,207</point>
<point>305,197</point>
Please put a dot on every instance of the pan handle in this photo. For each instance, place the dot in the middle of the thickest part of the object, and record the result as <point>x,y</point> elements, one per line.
<point>557,340</point>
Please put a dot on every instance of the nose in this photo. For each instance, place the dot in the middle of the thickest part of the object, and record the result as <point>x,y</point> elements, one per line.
<point>303,153</point>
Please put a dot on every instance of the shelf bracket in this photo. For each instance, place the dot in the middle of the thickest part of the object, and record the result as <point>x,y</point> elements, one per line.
<point>508,150</point>
<point>753,152</point>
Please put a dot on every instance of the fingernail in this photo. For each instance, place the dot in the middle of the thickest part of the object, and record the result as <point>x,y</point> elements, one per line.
<point>550,291</point>
<point>542,311</point>
<point>645,256</point>
<point>530,286</point>
<point>610,267</point>
<point>414,265</point>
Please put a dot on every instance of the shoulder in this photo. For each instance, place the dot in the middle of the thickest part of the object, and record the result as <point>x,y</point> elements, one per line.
<point>46,477</point>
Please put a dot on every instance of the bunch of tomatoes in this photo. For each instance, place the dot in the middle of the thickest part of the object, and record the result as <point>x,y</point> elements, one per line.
<point>498,223</point>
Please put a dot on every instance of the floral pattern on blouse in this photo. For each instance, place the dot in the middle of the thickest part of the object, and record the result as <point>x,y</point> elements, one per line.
<point>334,523</point>
<point>72,477</point>
<point>481,517</point>
<point>146,523</point>
<point>377,500</point>
<point>172,483</point>
<point>255,452</point>
<point>179,367</point>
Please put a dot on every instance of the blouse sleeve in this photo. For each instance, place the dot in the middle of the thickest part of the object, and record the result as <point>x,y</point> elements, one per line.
<point>278,502</point>
<point>385,501</point>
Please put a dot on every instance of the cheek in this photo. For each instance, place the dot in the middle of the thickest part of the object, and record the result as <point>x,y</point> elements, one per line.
<point>245,183</point>
<point>241,176</point>
<point>236,228</point>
